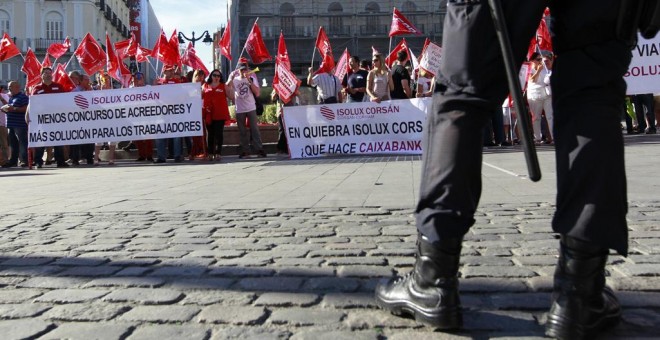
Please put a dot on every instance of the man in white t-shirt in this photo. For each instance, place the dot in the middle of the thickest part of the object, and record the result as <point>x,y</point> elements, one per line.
<point>244,86</point>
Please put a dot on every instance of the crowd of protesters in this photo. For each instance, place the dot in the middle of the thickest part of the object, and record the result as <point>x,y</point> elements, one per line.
<point>366,80</point>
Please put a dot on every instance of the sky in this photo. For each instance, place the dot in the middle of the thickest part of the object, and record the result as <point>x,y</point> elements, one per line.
<point>189,16</point>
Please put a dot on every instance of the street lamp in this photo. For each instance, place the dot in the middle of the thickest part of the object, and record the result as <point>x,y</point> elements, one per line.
<point>207,38</point>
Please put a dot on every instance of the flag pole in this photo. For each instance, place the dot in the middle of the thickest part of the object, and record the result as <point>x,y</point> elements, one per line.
<point>314,50</point>
<point>243,50</point>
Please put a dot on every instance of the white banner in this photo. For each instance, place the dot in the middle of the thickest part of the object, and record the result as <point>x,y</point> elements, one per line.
<point>150,112</point>
<point>431,59</point>
<point>389,127</point>
<point>643,76</point>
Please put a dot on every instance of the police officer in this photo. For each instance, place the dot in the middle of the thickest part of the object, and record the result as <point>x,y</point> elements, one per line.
<point>588,92</point>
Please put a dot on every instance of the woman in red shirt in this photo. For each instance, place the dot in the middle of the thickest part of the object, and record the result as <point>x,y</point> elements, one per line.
<point>215,111</point>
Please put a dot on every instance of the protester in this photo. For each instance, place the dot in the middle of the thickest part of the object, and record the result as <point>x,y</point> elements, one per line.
<point>327,85</point>
<point>216,113</point>
<point>425,84</point>
<point>169,77</point>
<point>379,80</point>
<point>145,146</point>
<point>197,144</point>
<point>400,77</point>
<point>539,94</point>
<point>357,82</point>
<point>47,86</point>
<point>16,125</point>
<point>4,147</point>
<point>588,90</point>
<point>282,144</point>
<point>244,87</point>
<point>77,150</point>
<point>105,83</point>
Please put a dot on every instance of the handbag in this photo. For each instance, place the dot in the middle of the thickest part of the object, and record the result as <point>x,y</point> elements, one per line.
<point>258,104</point>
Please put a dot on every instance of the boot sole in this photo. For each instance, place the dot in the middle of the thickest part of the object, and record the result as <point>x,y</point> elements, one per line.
<point>445,319</point>
<point>561,328</point>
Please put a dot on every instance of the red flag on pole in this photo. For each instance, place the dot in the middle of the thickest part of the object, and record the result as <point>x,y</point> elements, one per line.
<point>401,46</point>
<point>225,41</point>
<point>46,62</point>
<point>61,77</point>
<point>32,69</point>
<point>116,68</point>
<point>401,25</point>
<point>323,45</point>
<point>57,50</point>
<point>90,55</point>
<point>427,41</point>
<point>282,58</point>
<point>191,59</point>
<point>174,45</point>
<point>7,48</point>
<point>255,46</point>
<point>164,52</point>
<point>542,37</point>
<point>126,48</point>
<point>142,53</point>
<point>342,65</point>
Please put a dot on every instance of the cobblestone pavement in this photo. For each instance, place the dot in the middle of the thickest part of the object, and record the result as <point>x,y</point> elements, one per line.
<point>305,273</point>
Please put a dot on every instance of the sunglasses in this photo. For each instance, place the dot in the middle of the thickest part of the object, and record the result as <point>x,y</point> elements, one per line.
<point>215,75</point>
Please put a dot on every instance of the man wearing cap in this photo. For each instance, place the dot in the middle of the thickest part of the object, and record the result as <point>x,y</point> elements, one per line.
<point>243,86</point>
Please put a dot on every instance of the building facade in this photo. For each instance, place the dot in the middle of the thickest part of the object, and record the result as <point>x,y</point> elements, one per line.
<point>357,25</point>
<point>36,24</point>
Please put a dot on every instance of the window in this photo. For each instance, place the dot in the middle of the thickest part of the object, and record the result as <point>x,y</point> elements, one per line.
<point>54,26</point>
<point>336,21</point>
<point>408,7</point>
<point>373,21</point>
<point>4,22</point>
<point>287,22</point>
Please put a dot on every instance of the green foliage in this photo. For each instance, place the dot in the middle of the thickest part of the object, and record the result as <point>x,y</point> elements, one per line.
<point>269,116</point>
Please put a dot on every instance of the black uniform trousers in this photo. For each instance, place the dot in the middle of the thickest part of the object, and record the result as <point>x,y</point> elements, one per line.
<point>588,93</point>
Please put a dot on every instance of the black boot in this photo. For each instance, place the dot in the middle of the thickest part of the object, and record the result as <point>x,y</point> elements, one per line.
<point>430,291</point>
<point>582,304</point>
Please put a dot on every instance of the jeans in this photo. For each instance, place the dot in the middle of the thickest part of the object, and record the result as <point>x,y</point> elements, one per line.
<point>18,144</point>
<point>161,145</point>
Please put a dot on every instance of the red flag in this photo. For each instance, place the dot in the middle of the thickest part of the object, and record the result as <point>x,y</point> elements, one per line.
<point>7,48</point>
<point>191,59</point>
<point>225,41</point>
<point>323,45</point>
<point>174,45</point>
<point>542,37</point>
<point>46,62</point>
<point>32,69</point>
<point>61,77</point>
<point>285,83</point>
<point>427,41</point>
<point>401,25</point>
<point>402,46</point>
<point>126,48</point>
<point>142,53</point>
<point>164,51</point>
<point>282,58</point>
<point>116,68</point>
<point>90,55</point>
<point>57,50</point>
<point>255,46</point>
<point>342,65</point>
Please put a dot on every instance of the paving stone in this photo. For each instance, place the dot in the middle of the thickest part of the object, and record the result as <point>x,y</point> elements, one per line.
<point>133,271</point>
<point>188,332</point>
<point>521,301</point>
<point>160,314</point>
<point>364,271</point>
<point>497,271</point>
<point>510,321</point>
<point>8,295</point>
<point>305,317</point>
<point>240,272</point>
<point>423,335</point>
<point>639,269</point>
<point>270,284</point>
<point>286,299</point>
<point>31,271</point>
<point>85,330</point>
<point>26,261</point>
<point>53,282</point>
<point>24,329</point>
<point>348,300</point>
<point>535,260</point>
<point>486,261</point>
<point>127,282</point>
<point>361,319</point>
<point>250,333</point>
<point>635,284</point>
<point>306,271</point>
<point>225,298</point>
<point>178,271</point>
<point>237,315</point>
<point>79,261</point>
<point>334,335</point>
<point>71,295</point>
<point>639,299</point>
<point>145,296</point>
<point>331,284</point>
<point>200,283</point>
<point>492,285</point>
<point>299,262</point>
<point>19,311</point>
<point>160,254</point>
<point>350,260</point>
<point>90,271</point>
<point>85,312</point>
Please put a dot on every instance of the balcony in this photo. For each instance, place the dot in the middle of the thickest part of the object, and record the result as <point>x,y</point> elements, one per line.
<point>374,29</point>
<point>101,5</point>
<point>337,31</point>
<point>41,45</point>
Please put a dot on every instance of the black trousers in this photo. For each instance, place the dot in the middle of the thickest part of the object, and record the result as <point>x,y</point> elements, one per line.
<point>588,91</point>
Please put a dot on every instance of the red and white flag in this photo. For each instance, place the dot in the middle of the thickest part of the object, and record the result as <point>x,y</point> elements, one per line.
<point>225,41</point>
<point>61,77</point>
<point>142,53</point>
<point>7,48</point>
<point>126,48</point>
<point>57,50</point>
<point>165,52</point>
<point>323,45</point>
<point>542,38</point>
<point>285,83</point>
<point>282,57</point>
<point>116,68</point>
<point>90,55</point>
<point>401,25</point>
<point>342,65</point>
<point>255,46</point>
<point>46,62</point>
<point>401,46</point>
<point>32,69</point>
<point>191,59</point>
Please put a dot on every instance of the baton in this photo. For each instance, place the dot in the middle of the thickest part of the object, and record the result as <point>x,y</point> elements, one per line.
<point>529,148</point>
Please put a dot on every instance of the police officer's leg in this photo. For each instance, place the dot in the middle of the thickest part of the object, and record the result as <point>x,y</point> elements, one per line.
<point>588,92</point>
<point>472,69</point>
